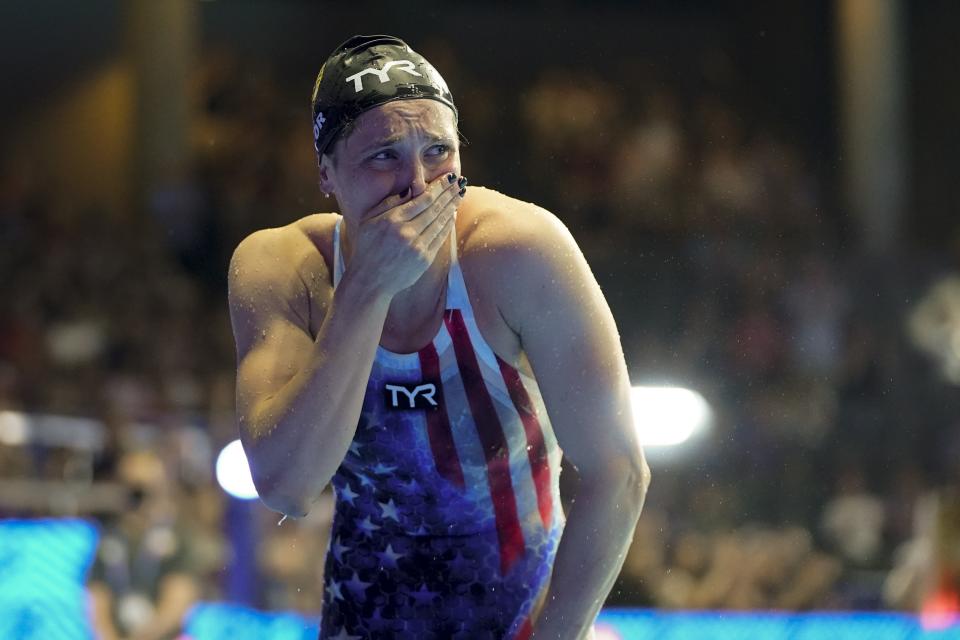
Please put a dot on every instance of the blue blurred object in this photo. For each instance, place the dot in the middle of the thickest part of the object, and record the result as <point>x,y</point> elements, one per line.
<point>211,621</point>
<point>43,566</point>
<point>227,622</point>
<point>637,624</point>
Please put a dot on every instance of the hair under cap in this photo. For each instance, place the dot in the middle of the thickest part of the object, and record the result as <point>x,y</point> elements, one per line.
<point>365,72</point>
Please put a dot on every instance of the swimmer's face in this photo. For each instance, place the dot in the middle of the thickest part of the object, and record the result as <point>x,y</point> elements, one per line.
<point>396,148</point>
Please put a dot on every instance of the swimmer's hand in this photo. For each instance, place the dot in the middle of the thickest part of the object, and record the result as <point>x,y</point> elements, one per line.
<point>399,238</point>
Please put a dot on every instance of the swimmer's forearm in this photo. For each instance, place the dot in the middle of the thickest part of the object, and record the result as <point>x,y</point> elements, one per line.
<point>592,550</point>
<point>310,422</point>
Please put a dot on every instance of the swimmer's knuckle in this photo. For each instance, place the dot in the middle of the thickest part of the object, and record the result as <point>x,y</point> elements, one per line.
<point>423,256</point>
<point>406,235</point>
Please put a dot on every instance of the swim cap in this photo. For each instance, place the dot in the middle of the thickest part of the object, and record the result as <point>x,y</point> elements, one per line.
<point>365,72</point>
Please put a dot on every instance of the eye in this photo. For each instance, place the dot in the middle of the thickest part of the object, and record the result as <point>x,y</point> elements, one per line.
<point>386,154</point>
<point>438,150</point>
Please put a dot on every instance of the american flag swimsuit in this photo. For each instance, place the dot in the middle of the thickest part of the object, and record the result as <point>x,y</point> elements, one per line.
<point>448,511</point>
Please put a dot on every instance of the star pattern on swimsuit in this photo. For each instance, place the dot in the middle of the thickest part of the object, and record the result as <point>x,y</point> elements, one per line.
<point>343,635</point>
<point>364,480</point>
<point>338,549</point>
<point>412,487</point>
<point>389,510</point>
<point>377,622</point>
<point>347,493</point>
<point>357,586</point>
<point>389,557</point>
<point>461,564</point>
<point>367,527</point>
<point>424,595</point>
<point>334,590</point>
<point>381,468</point>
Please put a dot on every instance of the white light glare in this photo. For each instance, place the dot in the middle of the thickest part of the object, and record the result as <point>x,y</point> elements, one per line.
<point>667,416</point>
<point>233,472</point>
<point>13,428</point>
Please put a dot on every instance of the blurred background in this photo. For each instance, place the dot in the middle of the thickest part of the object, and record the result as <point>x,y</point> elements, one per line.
<point>767,194</point>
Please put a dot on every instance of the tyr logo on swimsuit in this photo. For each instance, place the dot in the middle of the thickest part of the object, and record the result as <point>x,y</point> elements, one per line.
<point>402,65</point>
<point>410,396</point>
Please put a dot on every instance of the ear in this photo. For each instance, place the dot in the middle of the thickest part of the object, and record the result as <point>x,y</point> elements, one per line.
<point>324,174</point>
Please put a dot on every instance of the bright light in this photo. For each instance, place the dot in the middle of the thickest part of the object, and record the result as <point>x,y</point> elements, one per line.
<point>606,632</point>
<point>233,472</point>
<point>13,428</point>
<point>666,416</point>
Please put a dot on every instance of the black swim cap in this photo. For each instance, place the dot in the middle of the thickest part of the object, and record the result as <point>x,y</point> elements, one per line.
<point>365,72</point>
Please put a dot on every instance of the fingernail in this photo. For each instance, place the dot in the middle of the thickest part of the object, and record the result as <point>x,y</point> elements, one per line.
<point>463,190</point>
<point>451,177</point>
<point>462,181</point>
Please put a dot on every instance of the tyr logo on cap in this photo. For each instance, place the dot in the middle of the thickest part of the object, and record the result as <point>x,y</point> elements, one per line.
<point>382,74</point>
<point>410,396</point>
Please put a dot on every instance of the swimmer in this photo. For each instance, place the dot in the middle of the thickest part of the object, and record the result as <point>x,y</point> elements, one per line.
<point>432,352</point>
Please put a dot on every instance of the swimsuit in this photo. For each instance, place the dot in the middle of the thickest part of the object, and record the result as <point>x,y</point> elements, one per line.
<point>448,513</point>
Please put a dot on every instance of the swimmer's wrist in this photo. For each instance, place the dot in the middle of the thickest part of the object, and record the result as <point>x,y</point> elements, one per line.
<point>357,288</point>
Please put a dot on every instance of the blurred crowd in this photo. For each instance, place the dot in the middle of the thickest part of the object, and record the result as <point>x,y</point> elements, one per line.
<point>712,229</point>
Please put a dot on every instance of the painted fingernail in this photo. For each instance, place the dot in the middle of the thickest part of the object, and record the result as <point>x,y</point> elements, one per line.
<point>462,181</point>
<point>463,190</point>
<point>451,177</point>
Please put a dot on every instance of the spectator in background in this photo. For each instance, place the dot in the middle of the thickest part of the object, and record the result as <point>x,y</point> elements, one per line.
<point>647,173</point>
<point>569,116</point>
<point>289,584</point>
<point>940,604</point>
<point>748,569</point>
<point>853,518</point>
<point>817,302</point>
<point>926,576</point>
<point>142,582</point>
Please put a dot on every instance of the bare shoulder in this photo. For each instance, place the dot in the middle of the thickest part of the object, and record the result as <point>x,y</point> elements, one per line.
<point>281,268</point>
<point>499,227</point>
<point>502,234</point>
<point>515,247</point>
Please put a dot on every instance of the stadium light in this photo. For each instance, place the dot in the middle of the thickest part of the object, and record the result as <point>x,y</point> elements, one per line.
<point>233,472</point>
<point>668,416</point>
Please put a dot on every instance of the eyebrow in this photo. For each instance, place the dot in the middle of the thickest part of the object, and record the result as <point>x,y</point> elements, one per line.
<point>392,140</point>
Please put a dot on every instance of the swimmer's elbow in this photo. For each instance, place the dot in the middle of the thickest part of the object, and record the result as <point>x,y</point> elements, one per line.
<point>625,478</point>
<point>285,506</point>
<point>276,499</point>
<point>280,489</point>
<point>637,479</point>
<point>642,475</point>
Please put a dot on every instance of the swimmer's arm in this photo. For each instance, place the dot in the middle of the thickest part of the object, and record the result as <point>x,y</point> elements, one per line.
<point>571,340</point>
<point>298,398</point>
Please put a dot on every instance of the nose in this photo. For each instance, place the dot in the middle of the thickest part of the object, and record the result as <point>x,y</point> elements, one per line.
<point>415,177</point>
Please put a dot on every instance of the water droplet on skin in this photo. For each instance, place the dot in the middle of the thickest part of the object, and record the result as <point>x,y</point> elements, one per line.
<point>281,520</point>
